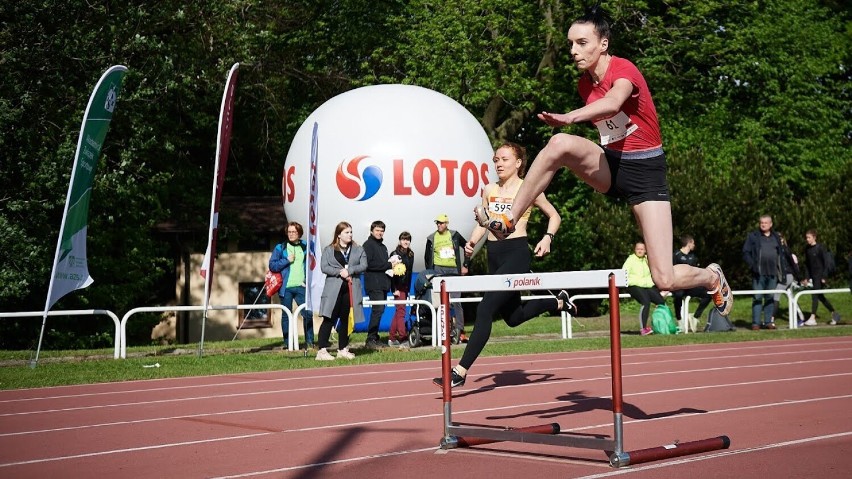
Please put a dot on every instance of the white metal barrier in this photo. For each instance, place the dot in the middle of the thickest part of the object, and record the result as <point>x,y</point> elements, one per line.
<point>567,330</point>
<point>750,292</point>
<point>73,312</point>
<point>814,291</point>
<point>120,349</point>
<point>294,332</point>
<point>433,311</point>
<point>161,309</point>
<point>792,300</point>
<point>421,302</point>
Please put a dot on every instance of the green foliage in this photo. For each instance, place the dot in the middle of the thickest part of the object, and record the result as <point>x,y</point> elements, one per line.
<point>753,99</point>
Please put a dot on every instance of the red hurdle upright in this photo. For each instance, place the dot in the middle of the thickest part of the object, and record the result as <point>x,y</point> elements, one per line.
<point>466,436</point>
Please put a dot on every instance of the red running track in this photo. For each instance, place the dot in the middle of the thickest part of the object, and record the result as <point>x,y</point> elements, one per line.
<point>786,405</point>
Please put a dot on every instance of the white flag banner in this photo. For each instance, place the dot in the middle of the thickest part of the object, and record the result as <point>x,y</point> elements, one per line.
<point>70,270</point>
<point>70,265</point>
<point>316,278</point>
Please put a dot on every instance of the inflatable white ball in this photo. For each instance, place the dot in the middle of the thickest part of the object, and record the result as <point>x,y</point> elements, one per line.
<point>397,153</point>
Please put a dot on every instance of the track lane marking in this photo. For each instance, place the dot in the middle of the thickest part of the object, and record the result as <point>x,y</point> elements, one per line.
<point>632,352</point>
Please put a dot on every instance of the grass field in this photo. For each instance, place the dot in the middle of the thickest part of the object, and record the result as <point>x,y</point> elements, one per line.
<point>540,335</point>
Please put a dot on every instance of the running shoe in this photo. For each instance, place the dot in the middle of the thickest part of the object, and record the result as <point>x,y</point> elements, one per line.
<point>811,321</point>
<point>324,355</point>
<point>835,318</point>
<point>501,224</point>
<point>457,380</point>
<point>567,305</point>
<point>345,354</point>
<point>646,331</point>
<point>723,298</point>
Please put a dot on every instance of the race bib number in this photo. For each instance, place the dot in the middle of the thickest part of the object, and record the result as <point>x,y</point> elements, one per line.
<point>499,205</point>
<point>447,252</point>
<point>615,128</point>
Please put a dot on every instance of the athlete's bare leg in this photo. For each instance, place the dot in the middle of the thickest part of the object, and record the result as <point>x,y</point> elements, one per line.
<point>583,157</point>
<point>655,222</point>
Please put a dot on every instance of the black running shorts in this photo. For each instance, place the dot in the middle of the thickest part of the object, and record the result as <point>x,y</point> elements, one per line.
<point>638,176</point>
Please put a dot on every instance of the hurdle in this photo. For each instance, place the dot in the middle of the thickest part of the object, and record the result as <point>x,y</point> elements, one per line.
<point>465,435</point>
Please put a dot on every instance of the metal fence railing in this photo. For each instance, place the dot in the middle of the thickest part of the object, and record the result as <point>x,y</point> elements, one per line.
<point>73,312</point>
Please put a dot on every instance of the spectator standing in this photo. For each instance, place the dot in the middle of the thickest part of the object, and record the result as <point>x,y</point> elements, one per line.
<point>815,261</point>
<point>376,279</point>
<point>686,255</point>
<point>790,278</point>
<point>401,286</point>
<point>444,254</point>
<point>342,262</point>
<point>762,253</point>
<point>289,260</point>
<point>641,286</point>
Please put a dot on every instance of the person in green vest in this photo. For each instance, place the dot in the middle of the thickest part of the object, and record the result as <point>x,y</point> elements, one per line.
<point>445,256</point>
<point>640,284</point>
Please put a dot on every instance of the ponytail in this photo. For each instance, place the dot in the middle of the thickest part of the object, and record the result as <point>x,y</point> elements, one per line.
<point>598,17</point>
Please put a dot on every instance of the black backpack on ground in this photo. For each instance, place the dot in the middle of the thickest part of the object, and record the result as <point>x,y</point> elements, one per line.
<point>716,322</point>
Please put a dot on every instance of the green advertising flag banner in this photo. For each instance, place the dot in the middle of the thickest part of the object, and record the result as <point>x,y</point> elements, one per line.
<point>70,265</point>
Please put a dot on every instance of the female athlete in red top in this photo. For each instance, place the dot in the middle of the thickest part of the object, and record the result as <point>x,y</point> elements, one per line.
<point>628,163</point>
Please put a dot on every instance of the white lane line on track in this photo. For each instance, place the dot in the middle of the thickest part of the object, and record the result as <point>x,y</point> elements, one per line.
<point>630,353</point>
<point>327,463</point>
<point>716,455</point>
<point>134,449</point>
<point>247,436</point>
<point>413,395</point>
<point>380,383</point>
<point>435,415</point>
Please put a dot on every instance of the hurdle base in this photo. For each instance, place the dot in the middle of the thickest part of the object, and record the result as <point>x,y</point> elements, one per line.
<point>465,436</point>
<point>449,442</point>
<point>478,440</point>
<point>669,451</point>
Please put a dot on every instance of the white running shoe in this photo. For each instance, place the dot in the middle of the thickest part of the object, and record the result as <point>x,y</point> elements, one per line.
<point>811,321</point>
<point>324,355</point>
<point>835,318</point>
<point>345,354</point>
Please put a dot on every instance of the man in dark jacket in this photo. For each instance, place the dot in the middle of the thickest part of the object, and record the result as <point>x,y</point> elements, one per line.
<point>376,280</point>
<point>763,253</point>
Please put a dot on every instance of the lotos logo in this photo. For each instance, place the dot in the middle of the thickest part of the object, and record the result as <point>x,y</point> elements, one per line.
<point>358,185</point>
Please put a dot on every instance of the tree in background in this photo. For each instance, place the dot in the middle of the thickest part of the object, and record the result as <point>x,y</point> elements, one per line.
<point>755,115</point>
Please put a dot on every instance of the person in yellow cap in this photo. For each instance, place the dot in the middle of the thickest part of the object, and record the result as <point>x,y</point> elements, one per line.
<point>445,256</point>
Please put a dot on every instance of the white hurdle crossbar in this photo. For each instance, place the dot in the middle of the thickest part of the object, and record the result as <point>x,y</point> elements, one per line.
<point>466,435</point>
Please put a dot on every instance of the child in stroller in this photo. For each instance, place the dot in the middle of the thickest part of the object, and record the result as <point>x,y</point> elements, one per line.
<point>419,321</point>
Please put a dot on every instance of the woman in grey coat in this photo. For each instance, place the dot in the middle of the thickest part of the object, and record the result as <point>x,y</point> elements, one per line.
<point>342,262</point>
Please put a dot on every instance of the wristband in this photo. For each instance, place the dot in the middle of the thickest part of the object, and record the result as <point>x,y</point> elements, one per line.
<point>551,235</point>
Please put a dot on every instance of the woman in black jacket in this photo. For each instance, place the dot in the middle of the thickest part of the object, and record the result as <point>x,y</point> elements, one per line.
<point>817,271</point>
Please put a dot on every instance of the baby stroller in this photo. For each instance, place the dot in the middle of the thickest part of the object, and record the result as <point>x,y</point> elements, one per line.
<point>419,322</point>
